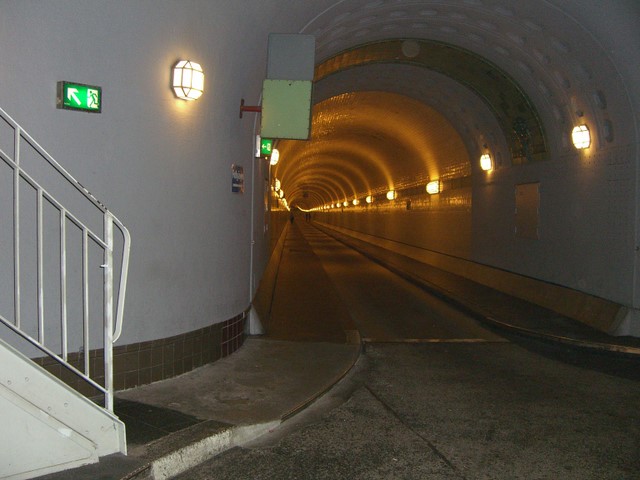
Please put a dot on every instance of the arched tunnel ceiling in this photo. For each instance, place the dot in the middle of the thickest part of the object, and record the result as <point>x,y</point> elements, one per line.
<point>513,110</point>
<point>459,105</point>
<point>540,48</point>
<point>369,142</point>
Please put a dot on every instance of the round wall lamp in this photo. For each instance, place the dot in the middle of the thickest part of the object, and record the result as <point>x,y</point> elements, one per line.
<point>188,80</point>
<point>369,199</point>
<point>486,162</point>
<point>581,137</point>
<point>391,195</point>
<point>355,202</point>
<point>433,187</point>
<point>275,156</point>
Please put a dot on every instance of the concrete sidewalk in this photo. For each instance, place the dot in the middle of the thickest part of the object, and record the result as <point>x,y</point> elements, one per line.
<point>311,343</point>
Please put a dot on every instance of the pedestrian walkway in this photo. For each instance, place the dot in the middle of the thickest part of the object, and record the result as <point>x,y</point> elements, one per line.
<point>310,344</point>
<point>306,306</point>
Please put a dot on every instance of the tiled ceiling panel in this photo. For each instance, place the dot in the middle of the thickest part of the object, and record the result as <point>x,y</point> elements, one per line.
<point>371,141</point>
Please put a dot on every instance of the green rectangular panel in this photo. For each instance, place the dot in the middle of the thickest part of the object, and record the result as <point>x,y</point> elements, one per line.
<point>266,146</point>
<point>78,96</point>
<point>286,109</point>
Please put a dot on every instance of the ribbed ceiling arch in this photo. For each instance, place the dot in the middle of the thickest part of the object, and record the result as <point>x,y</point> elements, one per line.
<point>482,65</point>
<point>368,142</point>
<point>513,110</point>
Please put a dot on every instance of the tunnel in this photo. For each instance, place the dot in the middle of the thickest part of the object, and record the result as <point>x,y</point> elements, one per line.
<point>397,115</point>
<point>407,97</point>
<point>494,140</point>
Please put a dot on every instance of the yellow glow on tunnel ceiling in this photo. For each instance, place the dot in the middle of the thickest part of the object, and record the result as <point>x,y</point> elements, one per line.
<point>372,142</point>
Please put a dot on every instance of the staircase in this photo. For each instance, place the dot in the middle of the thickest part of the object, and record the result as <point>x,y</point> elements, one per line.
<point>63,272</point>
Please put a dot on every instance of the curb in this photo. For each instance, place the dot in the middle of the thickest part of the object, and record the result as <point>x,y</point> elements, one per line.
<point>179,461</point>
<point>355,339</point>
<point>171,463</point>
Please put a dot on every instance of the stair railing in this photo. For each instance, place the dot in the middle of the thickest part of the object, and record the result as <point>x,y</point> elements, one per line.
<point>46,203</point>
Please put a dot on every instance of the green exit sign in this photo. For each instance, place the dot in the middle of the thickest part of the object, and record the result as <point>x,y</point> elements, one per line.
<point>266,146</point>
<point>78,96</point>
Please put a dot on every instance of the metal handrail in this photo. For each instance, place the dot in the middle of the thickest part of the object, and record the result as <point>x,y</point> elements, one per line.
<point>112,326</point>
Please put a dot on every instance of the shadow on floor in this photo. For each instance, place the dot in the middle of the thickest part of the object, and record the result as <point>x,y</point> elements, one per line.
<point>146,423</point>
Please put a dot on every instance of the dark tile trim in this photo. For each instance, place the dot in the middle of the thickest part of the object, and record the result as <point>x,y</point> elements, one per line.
<point>151,361</point>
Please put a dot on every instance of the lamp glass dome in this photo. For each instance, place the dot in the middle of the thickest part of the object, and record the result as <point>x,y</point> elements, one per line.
<point>486,163</point>
<point>433,187</point>
<point>275,156</point>
<point>188,80</point>
<point>581,137</point>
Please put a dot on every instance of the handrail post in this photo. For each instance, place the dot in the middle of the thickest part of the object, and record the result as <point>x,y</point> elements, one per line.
<point>16,228</point>
<point>108,310</point>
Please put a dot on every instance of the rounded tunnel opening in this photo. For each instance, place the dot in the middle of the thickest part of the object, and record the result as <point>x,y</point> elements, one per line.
<point>398,128</point>
<point>458,143</point>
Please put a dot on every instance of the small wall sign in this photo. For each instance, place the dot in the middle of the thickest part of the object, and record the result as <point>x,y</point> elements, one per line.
<point>78,96</point>
<point>266,147</point>
<point>237,179</point>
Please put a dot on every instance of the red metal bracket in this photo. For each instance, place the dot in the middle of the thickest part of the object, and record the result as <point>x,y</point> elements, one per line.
<point>243,108</point>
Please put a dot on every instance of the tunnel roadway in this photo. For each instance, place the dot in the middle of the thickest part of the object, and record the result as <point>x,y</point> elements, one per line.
<point>436,395</point>
<point>386,308</point>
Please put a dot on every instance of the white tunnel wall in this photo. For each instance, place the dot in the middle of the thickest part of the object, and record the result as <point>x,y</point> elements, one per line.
<point>164,166</point>
<point>160,164</point>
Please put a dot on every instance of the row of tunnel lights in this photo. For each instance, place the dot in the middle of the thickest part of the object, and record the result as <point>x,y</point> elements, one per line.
<point>580,136</point>
<point>433,187</point>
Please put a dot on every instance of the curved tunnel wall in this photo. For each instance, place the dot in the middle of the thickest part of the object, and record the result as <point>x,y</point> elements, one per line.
<point>164,166</point>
